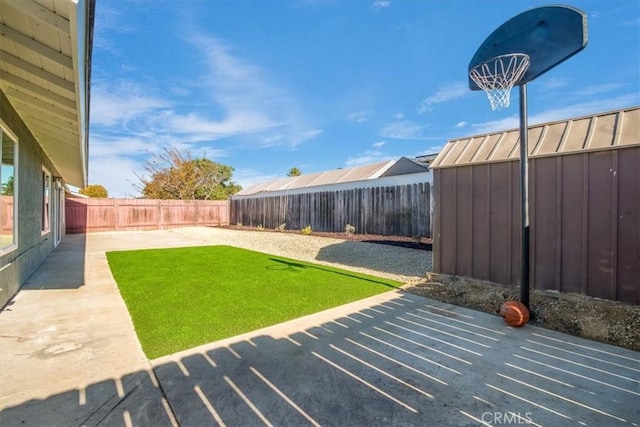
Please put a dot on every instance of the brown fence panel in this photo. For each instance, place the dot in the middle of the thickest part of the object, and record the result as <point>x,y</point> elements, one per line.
<point>402,210</point>
<point>585,223</point>
<point>90,215</point>
<point>6,216</point>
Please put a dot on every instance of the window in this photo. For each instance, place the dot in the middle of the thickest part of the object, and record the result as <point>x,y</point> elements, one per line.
<point>8,189</point>
<point>46,200</point>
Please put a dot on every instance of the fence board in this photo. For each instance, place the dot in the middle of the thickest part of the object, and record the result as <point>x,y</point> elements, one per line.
<point>6,216</point>
<point>91,215</point>
<point>396,210</point>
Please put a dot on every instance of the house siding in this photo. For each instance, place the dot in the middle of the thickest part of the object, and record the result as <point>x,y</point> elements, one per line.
<point>33,246</point>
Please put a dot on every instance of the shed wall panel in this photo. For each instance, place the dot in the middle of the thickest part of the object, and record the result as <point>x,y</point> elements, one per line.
<point>572,250</point>
<point>599,205</point>
<point>628,245</point>
<point>500,227</point>
<point>585,222</point>
<point>481,222</point>
<point>464,221</point>
<point>447,192</point>
<point>515,221</point>
<point>547,226</point>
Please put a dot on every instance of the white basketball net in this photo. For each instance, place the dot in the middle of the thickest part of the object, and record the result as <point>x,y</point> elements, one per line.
<point>498,75</point>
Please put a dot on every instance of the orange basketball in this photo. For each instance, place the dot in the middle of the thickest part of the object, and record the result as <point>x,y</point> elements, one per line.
<point>514,313</point>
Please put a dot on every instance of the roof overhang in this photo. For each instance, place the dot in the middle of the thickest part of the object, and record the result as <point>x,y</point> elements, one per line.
<point>45,72</point>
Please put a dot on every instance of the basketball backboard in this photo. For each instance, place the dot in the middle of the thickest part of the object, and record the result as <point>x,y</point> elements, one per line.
<point>548,35</point>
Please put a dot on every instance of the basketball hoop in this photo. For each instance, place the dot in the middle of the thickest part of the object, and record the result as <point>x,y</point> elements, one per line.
<point>498,75</point>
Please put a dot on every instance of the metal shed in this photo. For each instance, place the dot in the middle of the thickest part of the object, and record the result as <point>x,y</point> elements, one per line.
<point>584,178</point>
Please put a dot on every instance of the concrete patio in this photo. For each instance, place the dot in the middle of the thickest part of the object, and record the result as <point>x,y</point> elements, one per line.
<point>69,356</point>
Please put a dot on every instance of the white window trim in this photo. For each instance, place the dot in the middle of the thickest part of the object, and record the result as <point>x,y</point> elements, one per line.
<point>4,128</point>
<point>48,230</point>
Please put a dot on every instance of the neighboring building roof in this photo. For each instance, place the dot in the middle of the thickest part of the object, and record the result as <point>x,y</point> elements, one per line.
<point>406,166</point>
<point>45,72</point>
<point>603,131</point>
<point>389,168</point>
<point>426,158</point>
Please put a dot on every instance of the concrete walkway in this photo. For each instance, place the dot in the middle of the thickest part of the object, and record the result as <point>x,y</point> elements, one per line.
<point>69,356</point>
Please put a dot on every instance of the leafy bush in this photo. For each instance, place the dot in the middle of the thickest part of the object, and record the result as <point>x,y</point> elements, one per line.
<point>260,227</point>
<point>349,229</point>
<point>282,226</point>
<point>95,191</point>
<point>306,230</point>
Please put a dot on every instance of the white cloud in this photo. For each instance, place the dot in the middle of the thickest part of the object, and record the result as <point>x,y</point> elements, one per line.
<point>298,138</point>
<point>379,144</point>
<point>251,102</point>
<point>366,158</point>
<point>116,173</point>
<point>293,139</point>
<point>246,103</point>
<point>108,21</point>
<point>248,177</point>
<point>358,116</point>
<point>102,146</point>
<point>446,93</point>
<point>461,124</point>
<point>598,89</point>
<point>380,4</point>
<point>561,113</point>
<point>232,97</point>
<point>194,124</point>
<point>398,115</point>
<point>632,22</point>
<point>551,83</point>
<point>405,129</point>
<point>116,102</point>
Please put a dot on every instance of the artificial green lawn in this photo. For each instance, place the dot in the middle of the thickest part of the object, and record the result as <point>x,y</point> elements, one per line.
<point>184,297</point>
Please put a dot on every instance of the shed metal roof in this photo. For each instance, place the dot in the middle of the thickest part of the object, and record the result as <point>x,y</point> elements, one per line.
<point>320,178</point>
<point>45,59</point>
<point>402,166</point>
<point>603,131</point>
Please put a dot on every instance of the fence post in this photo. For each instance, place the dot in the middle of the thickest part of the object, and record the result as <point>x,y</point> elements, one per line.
<point>116,213</point>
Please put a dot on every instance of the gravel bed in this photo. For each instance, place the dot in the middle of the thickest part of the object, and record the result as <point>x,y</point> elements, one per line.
<point>404,265</point>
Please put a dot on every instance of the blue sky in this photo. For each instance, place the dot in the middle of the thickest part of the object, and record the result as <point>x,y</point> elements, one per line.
<point>265,86</point>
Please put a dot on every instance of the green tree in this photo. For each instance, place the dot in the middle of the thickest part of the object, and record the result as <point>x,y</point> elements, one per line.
<point>174,174</point>
<point>96,191</point>
<point>7,188</point>
<point>294,172</point>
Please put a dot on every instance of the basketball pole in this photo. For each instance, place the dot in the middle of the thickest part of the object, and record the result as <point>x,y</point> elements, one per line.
<point>524,196</point>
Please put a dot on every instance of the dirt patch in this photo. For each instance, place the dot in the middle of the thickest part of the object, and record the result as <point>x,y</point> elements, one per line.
<point>418,242</point>
<point>593,318</point>
<point>597,319</point>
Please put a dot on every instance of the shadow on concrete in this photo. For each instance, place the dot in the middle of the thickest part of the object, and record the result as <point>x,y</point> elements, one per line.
<point>64,268</point>
<point>407,361</point>
<point>130,400</point>
<point>359,254</point>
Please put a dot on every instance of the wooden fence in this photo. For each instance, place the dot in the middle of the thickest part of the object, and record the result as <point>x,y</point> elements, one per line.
<point>402,210</point>
<point>89,215</point>
<point>6,214</point>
